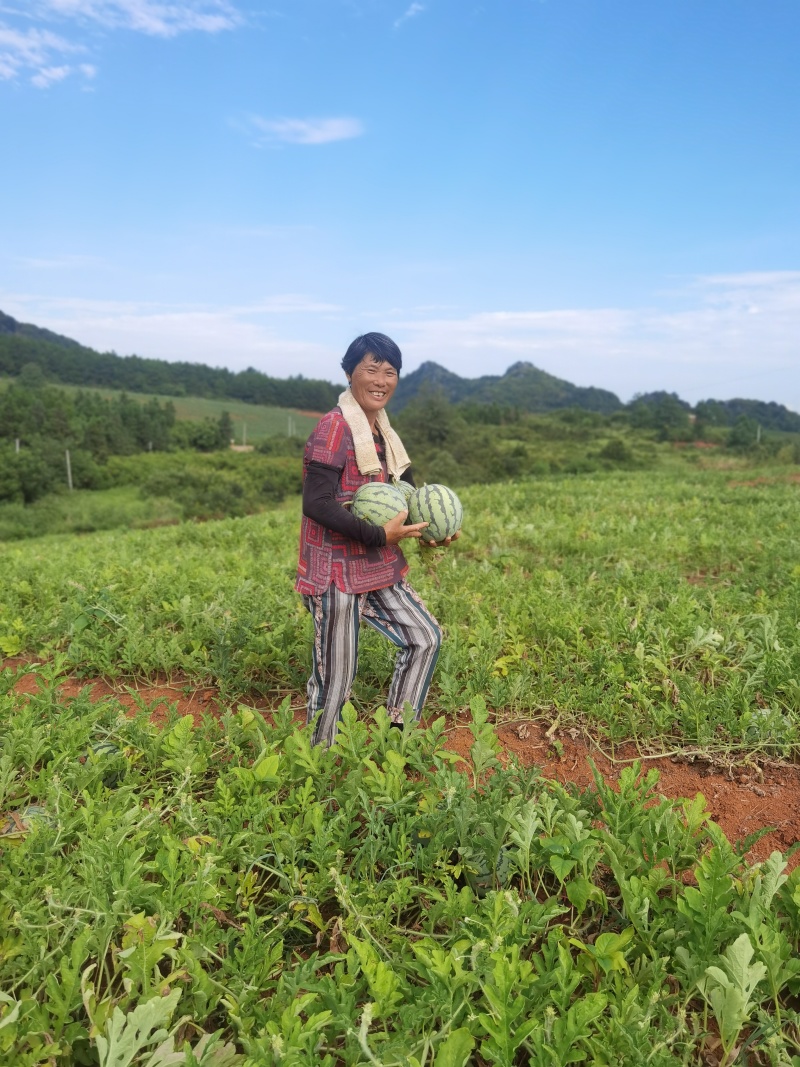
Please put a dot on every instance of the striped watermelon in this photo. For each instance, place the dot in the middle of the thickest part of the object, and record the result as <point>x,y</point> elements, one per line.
<point>377,502</point>
<point>16,824</point>
<point>439,507</point>
<point>406,488</point>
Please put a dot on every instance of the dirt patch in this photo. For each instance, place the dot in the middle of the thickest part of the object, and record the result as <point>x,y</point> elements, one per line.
<point>743,797</point>
<point>695,444</point>
<point>714,574</point>
<point>311,414</point>
<point>158,698</point>
<point>764,479</point>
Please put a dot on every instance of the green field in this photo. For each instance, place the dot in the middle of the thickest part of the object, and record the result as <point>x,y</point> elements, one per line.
<point>372,904</point>
<point>84,511</point>
<point>260,421</point>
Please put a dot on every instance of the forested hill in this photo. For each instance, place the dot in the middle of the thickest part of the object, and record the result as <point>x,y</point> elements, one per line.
<point>33,333</point>
<point>523,386</point>
<point>70,363</point>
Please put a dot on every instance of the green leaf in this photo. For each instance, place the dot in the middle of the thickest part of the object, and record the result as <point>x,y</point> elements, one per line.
<point>126,1035</point>
<point>729,991</point>
<point>266,769</point>
<point>561,866</point>
<point>10,644</point>
<point>580,891</point>
<point>455,1050</point>
<point>179,737</point>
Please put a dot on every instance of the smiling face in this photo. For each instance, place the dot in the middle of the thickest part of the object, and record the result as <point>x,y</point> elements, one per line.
<point>372,384</point>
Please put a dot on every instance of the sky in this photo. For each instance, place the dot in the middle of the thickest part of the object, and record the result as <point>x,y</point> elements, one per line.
<point>607,189</point>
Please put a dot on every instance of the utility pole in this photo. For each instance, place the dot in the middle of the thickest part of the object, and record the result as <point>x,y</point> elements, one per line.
<point>244,433</point>
<point>69,471</point>
<point>16,445</point>
<point>758,434</point>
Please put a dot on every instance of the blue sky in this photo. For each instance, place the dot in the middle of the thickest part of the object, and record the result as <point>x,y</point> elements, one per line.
<point>606,188</point>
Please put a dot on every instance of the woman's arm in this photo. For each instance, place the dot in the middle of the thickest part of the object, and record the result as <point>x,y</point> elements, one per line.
<point>321,505</point>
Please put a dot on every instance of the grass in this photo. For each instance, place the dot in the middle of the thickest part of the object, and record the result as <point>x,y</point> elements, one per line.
<point>222,894</point>
<point>261,421</point>
<point>659,606</point>
<point>84,511</point>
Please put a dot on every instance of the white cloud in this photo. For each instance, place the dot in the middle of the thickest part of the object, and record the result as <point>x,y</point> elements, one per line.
<point>35,52</point>
<point>734,335</point>
<point>48,76</point>
<point>302,131</point>
<point>144,16</point>
<point>235,337</point>
<point>289,304</point>
<point>723,336</point>
<point>32,51</point>
<point>411,11</point>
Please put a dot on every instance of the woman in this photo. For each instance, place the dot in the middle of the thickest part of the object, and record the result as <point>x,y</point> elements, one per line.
<point>350,570</point>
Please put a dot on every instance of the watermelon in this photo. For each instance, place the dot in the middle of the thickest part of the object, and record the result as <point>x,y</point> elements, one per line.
<point>377,502</point>
<point>16,824</point>
<point>112,763</point>
<point>406,488</point>
<point>440,508</point>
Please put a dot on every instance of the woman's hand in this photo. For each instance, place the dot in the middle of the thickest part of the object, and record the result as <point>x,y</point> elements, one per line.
<point>395,530</point>
<point>441,544</point>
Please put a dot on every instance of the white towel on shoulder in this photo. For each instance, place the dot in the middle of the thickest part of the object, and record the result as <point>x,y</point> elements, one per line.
<point>397,459</point>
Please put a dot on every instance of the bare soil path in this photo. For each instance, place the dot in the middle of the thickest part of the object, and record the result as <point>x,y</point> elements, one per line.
<point>742,796</point>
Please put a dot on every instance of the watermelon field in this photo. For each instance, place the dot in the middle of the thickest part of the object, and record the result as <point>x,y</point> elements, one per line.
<point>210,890</point>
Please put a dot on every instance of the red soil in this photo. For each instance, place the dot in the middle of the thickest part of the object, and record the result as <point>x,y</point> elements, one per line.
<point>695,444</point>
<point>742,796</point>
<point>764,479</point>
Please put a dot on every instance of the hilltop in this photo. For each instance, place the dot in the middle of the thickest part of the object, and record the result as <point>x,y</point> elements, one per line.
<point>68,362</point>
<point>9,325</point>
<point>522,385</point>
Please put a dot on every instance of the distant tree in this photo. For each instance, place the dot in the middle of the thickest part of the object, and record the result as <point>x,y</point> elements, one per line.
<point>663,412</point>
<point>225,429</point>
<point>744,434</point>
<point>32,376</point>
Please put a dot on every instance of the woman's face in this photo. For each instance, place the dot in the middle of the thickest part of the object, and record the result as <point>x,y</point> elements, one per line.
<point>372,384</point>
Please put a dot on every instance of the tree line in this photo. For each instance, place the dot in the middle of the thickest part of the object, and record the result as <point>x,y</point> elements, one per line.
<point>73,364</point>
<point>39,423</point>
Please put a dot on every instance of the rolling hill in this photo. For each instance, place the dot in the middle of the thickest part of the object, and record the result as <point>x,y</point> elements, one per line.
<point>523,386</point>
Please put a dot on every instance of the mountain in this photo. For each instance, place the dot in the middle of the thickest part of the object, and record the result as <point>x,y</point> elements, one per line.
<point>768,414</point>
<point>67,362</point>
<point>523,386</point>
<point>33,333</point>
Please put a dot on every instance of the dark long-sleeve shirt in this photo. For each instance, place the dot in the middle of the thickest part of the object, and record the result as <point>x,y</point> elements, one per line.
<point>320,504</point>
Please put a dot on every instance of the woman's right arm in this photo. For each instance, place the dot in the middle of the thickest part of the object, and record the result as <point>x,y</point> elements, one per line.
<point>321,505</point>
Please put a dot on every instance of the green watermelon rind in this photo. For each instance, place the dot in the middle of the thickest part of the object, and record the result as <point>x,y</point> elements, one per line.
<point>377,502</point>
<point>25,818</point>
<point>406,488</point>
<point>439,506</point>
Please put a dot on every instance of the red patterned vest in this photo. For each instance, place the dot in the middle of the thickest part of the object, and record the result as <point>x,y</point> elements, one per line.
<point>327,556</point>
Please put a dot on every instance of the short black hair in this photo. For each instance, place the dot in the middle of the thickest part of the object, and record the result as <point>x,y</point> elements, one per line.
<point>379,345</point>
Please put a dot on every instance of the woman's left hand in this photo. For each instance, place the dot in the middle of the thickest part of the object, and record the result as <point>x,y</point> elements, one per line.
<point>440,544</point>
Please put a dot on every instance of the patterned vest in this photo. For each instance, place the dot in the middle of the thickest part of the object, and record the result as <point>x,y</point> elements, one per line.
<point>327,556</point>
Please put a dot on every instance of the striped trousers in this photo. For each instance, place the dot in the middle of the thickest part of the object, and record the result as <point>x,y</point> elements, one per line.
<point>397,613</point>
